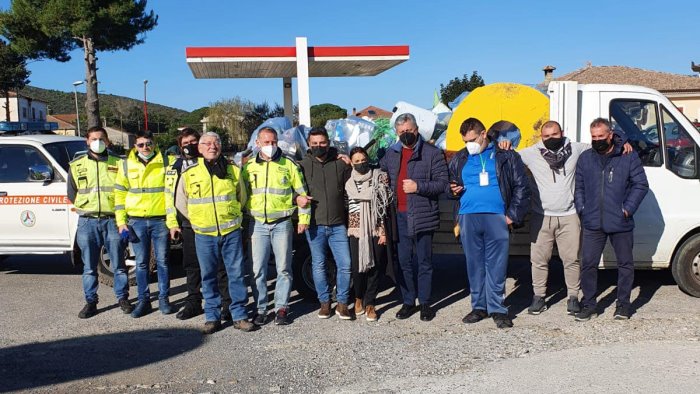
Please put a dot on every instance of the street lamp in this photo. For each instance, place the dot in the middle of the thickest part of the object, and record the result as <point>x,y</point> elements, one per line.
<point>77,113</point>
<point>145,105</point>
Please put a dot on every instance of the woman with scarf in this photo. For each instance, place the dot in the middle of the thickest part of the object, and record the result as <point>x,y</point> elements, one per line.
<point>369,197</point>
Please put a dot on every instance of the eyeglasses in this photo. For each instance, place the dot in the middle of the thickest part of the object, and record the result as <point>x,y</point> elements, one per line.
<point>208,144</point>
<point>143,144</point>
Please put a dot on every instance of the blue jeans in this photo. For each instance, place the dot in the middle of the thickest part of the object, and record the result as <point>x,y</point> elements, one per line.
<point>212,251</point>
<point>151,232</point>
<point>414,273</point>
<point>335,237</point>
<point>486,244</point>
<point>93,233</point>
<point>591,250</point>
<point>275,237</point>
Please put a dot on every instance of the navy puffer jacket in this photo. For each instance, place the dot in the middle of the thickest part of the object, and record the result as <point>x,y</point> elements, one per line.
<point>607,184</point>
<point>427,167</point>
<point>512,181</point>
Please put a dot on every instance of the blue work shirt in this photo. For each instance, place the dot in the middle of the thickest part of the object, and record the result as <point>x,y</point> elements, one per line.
<point>477,198</point>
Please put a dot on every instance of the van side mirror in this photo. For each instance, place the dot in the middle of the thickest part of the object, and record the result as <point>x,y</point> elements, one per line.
<point>41,173</point>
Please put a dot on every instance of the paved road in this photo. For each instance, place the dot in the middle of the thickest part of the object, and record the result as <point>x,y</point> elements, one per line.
<point>45,347</point>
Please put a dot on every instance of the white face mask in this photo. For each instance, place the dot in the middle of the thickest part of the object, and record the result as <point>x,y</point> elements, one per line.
<point>98,146</point>
<point>473,148</point>
<point>269,150</point>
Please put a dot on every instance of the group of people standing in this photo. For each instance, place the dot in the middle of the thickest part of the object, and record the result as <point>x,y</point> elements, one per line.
<point>365,216</point>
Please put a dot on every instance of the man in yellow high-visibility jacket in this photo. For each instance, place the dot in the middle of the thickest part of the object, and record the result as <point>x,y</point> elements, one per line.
<point>212,190</point>
<point>91,190</point>
<point>271,180</point>
<point>139,200</point>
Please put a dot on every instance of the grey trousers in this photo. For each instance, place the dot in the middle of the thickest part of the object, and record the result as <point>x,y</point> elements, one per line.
<point>544,232</point>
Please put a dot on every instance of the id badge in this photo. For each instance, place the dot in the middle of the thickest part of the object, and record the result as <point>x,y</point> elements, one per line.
<point>484,178</point>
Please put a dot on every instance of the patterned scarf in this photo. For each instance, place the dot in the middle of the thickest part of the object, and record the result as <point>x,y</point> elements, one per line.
<point>557,159</point>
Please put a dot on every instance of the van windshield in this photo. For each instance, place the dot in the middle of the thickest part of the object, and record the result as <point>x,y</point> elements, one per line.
<point>64,152</point>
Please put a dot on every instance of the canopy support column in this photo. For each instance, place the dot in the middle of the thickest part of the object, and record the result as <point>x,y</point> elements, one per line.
<point>288,103</point>
<point>303,81</point>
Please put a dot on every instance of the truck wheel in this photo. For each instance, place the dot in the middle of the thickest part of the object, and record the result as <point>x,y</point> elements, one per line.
<point>303,273</point>
<point>686,266</point>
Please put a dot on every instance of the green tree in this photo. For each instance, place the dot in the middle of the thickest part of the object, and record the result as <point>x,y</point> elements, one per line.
<point>13,74</point>
<point>323,112</point>
<point>228,115</point>
<point>194,118</point>
<point>458,85</point>
<point>260,113</point>
<point>51,29</point>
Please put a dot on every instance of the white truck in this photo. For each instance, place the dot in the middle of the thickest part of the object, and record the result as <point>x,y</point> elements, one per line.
<point>667,232</point>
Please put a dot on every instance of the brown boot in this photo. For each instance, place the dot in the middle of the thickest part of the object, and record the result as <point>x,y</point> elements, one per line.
<point>343,312</point>
<point>358,307</point>
<point>325,311</point>
<point>371,313</point>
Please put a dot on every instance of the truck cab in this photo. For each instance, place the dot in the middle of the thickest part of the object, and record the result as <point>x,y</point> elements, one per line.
<point>667,232</point>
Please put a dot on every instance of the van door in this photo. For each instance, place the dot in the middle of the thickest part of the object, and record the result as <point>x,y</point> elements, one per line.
<point>34,213</point>
<point>668,153</point>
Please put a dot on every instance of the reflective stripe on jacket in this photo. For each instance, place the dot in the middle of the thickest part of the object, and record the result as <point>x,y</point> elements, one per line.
<point>212,203</point>
<point>139,189</point>
<point>94,181</point>
<point>271,187</point>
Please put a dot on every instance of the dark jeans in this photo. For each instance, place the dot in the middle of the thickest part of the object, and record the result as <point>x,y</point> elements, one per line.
<point>414,272</point>
<point>366,284</point>
<point>194,275</point>
<point>592,248</point>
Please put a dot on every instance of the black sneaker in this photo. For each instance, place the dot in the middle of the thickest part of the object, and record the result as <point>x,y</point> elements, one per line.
<point>126,306</point>
<point>622,312</point>
<point>260,319</point>
<point>281,318</point>
<point>573,306</point>
<point>189,311</point>
<point>426,313</point>
<point>538,305</point>
<point>502,320</point>
<point>142,309</point>
<point>475,316</point>
<point>88,311</point>
<point>211,327</point>
<point>586,313</point>
<point>405,312</point>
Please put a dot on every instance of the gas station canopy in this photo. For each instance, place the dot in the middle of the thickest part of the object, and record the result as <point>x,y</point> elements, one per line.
<point>300,61</point>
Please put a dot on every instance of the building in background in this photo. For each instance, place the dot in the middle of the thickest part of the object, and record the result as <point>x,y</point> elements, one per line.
<point>23,109</point>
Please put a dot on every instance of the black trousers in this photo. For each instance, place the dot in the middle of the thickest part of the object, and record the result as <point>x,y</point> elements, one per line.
<point>192,273</point>
<point>592,246</point>
<point>366,284</point>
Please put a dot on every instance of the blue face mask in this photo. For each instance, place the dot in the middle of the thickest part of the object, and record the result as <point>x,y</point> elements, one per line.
<point>147,158</point>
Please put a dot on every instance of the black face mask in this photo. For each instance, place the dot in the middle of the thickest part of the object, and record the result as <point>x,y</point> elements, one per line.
<point>408,139</point>
<point>362,168</point>
<point>600,146</point>
<point>190,151</point>
<point>319,151</point>
<point>554,144</point>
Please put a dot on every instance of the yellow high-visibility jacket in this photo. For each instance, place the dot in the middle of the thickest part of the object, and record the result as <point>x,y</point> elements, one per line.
<point>213,204</point>
<point>270,186</point>
<point>139,189</point>
<point>94,182</point>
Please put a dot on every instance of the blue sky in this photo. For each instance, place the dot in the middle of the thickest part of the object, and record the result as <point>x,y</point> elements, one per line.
<point>503,40</point>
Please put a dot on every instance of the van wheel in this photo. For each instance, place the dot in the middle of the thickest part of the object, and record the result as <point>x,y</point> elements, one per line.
<point>303,273</point>
<point>686,266</point>
<point>104,269</point>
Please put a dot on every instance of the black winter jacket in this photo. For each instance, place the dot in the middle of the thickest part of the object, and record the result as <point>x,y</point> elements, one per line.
<point>512,181</point>
<point>427,167</point>
<point>325,182</point>
<point>607,184</point>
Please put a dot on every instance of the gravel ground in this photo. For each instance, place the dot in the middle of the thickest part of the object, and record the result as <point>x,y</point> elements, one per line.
<point>44,347</point>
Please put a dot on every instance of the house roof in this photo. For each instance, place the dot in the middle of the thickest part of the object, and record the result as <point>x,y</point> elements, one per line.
<point>273,62</point>
<point>68,118</point>
<point>62,123</point>
<point>661,81</point>
<point>14,94</point>
<point>374,112</point>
